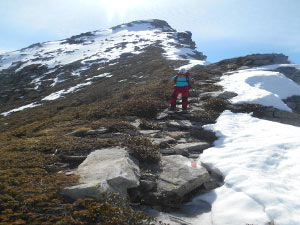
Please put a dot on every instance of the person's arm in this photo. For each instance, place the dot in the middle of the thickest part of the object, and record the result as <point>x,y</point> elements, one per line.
<point>191,80</point>
<point>173,79</point>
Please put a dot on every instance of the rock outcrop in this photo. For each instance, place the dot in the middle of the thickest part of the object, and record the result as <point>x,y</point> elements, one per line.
<point>249,61</point>
<point>106,170</point>
<point>179,177</point>
<point>290,72</point>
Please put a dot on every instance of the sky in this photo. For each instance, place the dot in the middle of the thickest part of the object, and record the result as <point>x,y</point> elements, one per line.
<point>221,28</point>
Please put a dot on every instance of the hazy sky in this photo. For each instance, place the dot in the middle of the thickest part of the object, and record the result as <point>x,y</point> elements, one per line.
<point>221,28</point>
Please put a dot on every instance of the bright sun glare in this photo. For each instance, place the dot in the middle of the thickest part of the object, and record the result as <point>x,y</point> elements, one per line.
<point>118,7</point>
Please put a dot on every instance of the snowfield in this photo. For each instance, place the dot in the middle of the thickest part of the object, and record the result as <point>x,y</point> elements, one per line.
<point>258,86</point>
<point>259,161</point>
<point>257,158</point>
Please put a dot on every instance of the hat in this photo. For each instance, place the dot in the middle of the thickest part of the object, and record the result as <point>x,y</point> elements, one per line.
<point>182,71</point>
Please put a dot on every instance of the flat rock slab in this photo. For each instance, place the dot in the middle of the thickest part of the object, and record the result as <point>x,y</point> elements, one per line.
<point>167,151</point>
<point>213,94</point>
<point>180,176</point>
<point>149,132</point>
<point>182,124</point>
<point>106,170</point>
<point>162,115</point>
<point>167,139</point>
<point>101,130</point>
<point>176,134</point>
<point>191,147</point>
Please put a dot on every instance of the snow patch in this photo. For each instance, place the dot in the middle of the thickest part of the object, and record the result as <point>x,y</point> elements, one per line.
<point>100,76</point>
<point>192,63</point>
<point>60,93</point>
<point>258,86</point>
<point>31,105</point>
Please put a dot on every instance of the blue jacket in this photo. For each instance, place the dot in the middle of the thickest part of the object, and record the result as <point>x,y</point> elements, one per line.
<point>181,81</point>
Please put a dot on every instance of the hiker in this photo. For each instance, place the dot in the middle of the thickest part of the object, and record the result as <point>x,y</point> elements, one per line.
<point>181,86</point>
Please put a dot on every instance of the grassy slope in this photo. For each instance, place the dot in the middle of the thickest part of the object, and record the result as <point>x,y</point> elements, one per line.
<point>29,178</point>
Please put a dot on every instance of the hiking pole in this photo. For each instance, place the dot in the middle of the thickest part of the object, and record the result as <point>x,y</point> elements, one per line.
<point>196,95</point>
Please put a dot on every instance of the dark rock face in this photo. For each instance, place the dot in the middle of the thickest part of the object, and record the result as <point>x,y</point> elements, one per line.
<point>294,103</point>
<point>162,24</point>
<point>290,72</point>
<point>186,38</point>
<point>266,59</point>
<point>254,60</point>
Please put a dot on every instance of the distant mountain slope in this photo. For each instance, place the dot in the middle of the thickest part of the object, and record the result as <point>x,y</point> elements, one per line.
<point>47,71</point>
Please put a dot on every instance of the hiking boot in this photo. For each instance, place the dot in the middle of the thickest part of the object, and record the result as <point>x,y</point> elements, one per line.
<point>184,109</point>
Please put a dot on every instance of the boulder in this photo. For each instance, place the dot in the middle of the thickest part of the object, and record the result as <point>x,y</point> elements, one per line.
<point>162,115</point>
<point>177,134</point>
<point>149,132</point>
<point>197,147</point>
<point>101,130</point>
<point>168,151</point>
<point>106,170</point>
<point>286,115</point>
<point>227,95</point>
<point>179,177</point>
<point>182,125</point>
<point>163,140</point>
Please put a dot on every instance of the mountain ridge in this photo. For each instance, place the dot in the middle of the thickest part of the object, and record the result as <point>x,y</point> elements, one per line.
<point>124,104</point>
<point>41,67</point>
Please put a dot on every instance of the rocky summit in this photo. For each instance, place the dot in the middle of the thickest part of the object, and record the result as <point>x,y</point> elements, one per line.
<point>87,137</point>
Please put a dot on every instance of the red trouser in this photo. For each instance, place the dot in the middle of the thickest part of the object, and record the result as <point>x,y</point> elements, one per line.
<point>184,91</point>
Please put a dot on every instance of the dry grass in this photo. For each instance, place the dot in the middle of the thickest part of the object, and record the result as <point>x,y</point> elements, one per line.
<point>143,150</point>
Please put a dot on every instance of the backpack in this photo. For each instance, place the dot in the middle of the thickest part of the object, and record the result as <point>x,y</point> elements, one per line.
<point>187,76</point>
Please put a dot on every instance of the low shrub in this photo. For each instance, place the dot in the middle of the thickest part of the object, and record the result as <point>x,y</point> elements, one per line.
<point>256,109</point>
<point>205,135</point>
<point>140,107</point>
<point>29,129</point>
<point>143,150</point>
<point>81,132</point>
<point>206,117</point>
<point>114,125</point>
<point>216,104</point>
<point>112,210</point>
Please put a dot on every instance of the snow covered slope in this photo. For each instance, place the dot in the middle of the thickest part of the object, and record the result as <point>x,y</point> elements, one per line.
<point>103,46</point>
<point>53,69</point>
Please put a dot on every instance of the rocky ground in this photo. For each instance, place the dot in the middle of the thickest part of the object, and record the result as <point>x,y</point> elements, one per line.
<point>180,138</point>
<point>126,142</point>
